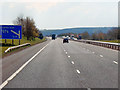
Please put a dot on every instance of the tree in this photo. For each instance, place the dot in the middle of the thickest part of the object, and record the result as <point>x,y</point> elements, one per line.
<point>28,27</point>
<point>101,36</point>
<point>20,21</point>
<point>85,35</point>
<point>113,34</point>
<point>40,35</point>
<point>94,36</point>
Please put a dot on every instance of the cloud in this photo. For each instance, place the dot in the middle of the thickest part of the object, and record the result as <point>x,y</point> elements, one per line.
<point>59,0</point>
<point>82,9</point>
<point>40,7</point>
<point>11,5</point>
<point>32,0</point>
<point>73,9</point>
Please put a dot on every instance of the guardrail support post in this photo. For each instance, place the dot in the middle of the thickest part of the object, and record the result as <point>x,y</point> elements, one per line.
<point>118,47</point>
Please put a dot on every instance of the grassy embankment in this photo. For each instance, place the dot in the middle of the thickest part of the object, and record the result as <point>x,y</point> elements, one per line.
<point>16,42</point>
<point>113,41</point>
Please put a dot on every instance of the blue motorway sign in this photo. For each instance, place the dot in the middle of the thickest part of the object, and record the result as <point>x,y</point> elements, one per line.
<point>10,32</point>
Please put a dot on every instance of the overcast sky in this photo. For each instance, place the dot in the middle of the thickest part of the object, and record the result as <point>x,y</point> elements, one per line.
<point>62,13</point>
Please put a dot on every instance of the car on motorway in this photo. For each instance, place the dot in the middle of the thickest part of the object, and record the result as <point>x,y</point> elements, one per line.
<point>65,40</point>
<point>68,37</point>
<point>53,36</point>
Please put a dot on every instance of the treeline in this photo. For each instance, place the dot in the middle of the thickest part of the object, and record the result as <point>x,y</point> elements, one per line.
<point>29,29</point>
<point>113,34</point>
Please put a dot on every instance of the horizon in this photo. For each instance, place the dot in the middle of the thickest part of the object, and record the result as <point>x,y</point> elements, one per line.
<point>80,27</point>
<point>68,27</point>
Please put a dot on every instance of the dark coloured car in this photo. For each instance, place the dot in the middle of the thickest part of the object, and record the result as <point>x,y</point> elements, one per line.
<point>65,40</point>
<point>53,36</point>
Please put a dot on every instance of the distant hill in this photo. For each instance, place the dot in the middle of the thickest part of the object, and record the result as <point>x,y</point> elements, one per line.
<point>90,30</point>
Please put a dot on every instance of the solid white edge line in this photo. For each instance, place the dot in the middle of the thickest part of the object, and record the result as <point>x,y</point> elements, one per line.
<point>78,71</point>
<point>20,69</point>
<point>115,62</point>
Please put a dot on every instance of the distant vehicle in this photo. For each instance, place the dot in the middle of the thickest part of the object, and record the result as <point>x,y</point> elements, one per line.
<point>79,37</point>
<point>72,36</point>
<point>68,37</point>
<point>53,36</point>
<point>65,40</point>
<point>63,37</point>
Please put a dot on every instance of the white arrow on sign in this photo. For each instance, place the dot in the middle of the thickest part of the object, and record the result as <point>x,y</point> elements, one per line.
<point>16,33</point>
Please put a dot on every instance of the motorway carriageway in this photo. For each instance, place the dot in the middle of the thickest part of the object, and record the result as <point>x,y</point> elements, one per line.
<point>53,64</point>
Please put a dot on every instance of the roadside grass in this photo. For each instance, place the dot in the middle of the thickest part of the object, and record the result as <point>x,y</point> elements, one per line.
<point>113,41</point>
<point>16,42</point>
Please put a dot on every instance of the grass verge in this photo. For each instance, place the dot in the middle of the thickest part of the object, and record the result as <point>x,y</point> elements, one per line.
<point>113,41</point>
<point>16,42</point>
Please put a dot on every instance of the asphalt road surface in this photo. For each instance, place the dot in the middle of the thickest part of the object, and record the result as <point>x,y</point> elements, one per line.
<point>68,65</point>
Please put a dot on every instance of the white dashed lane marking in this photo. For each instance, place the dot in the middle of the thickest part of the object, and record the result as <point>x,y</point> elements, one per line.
<point>115,62</point>
<point>101,55</point>
<point>78,71</point>
<point>88,89</point>
<point>69,56</point>
<point>66,52</point>
<point>72,62</point>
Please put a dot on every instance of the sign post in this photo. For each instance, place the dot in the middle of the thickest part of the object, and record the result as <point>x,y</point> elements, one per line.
<point>12,41</point>
<point>11,32</point>
<point>5,41</point>
<point>19,41</point>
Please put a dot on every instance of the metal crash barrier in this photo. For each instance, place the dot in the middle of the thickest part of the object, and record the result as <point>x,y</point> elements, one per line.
<point>115,46</point>
<point>11,48</point>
